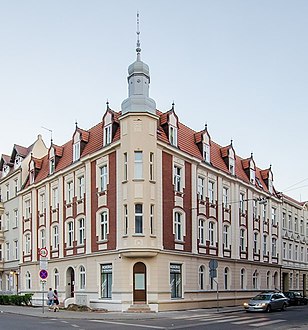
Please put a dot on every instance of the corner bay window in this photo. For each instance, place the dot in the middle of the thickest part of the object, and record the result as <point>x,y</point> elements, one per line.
<point>106,280</point>
<point>176,280</point>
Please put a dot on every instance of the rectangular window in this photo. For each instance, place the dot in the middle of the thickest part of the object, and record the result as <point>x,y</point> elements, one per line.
<point>284,220</point>
<point>16,186</point>
<point>290,222</point>
<point>264,216</point>
<point>211,192</point>
<point>51,166</point>
<point>274,216</point>
<point>42,204</point>
<point>290,252</point>
<point>81,188</point>
<point>125,220</point>
<point>151,219</point>
<point>173,136</point>
<point>138,165</point>
<point>296,224</point>
<point>176,280</point>
<point>27,244</point>
<point>1,254</point>
<point>76,151</point>
<point>301,229</point>
<point>226,237</point>
<point>103,178</point>
<point>201,232</point>
<point>104,226</point>
<point>15,218</point>
<point>178,226</point>
<point>177,174</point>
<point>7,249</point>
<point>151,166</point>
<point>27,209</point>
<point>211,233</point>
<point>264,245</point>
<point>7,192</point>
<point>42,238</point>
<point>7,221</point>
<point>138,219</point>
<point>242,203</point>
<point>255,242</point>
<point>206,153</point>
<point>107,135</point>
<point>225,197</point>
<point>70,192</point>
<point>55,237</point>
<point>242,240</point>
<point>106,285</point>
<point>200,188</point>
<point>81,231</point>
<point>255,208</point>
<point>274,247</point>
<point>54,198</point>
<point>125,167</point>
<point>296,253</point>
<point>284,250</point>
<point>70,234</point>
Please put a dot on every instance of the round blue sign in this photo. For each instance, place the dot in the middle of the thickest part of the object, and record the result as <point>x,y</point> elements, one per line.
<point>43,274</point>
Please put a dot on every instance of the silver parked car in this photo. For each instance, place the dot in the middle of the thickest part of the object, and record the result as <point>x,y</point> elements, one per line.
<point>266,302</point>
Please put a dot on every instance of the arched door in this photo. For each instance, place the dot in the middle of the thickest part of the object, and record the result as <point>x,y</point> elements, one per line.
<point>70,282</point>
<point>139,282</point>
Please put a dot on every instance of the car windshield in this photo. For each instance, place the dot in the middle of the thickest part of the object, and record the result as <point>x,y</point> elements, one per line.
<point>262,297</point>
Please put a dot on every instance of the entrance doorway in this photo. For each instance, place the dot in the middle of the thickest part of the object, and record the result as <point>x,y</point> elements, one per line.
<point>70,282</point>
<point>139,283</point>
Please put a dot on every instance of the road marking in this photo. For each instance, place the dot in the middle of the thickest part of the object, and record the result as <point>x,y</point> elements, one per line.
<point>129,324</point>
<point>75,325</point>
<point>250,320</point>
<point>266,323</point>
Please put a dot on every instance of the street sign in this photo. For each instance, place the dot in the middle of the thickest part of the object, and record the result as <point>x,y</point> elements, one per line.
<point>44,264</point>
<point>43,252</point>
<point>213,273</point>
<point>213,264</point>
<point>43,274</point>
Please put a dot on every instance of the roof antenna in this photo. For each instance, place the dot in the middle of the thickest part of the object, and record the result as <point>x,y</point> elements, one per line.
<point>49,130</point>
<point>138,49</point>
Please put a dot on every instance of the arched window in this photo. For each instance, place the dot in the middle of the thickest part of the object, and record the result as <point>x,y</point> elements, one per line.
<point>201,278</point>
<point>56,278</point>
<point>226,278</point>
<point>243,279</point>
<point>268,276</point>
<point>82,278</point>
<point>275,277</point>
<point>255,280</point>
<point>28,280</point>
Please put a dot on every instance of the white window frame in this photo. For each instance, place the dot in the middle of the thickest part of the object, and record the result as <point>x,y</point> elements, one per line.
<point>201,187</point>
<point>173,135</point>
<point>81,187</point>
<point>70,191</point>
<point>178,226</point>
<point>103,172</point>
<point>76,151</point>
<point>177,178</point>
<point>70,233</point>
<point>104,226</point>
<point>81,231</point>
<point>107,134</point>
<point>211,191</point>
<point>202,238</point>
<point>138,165</point>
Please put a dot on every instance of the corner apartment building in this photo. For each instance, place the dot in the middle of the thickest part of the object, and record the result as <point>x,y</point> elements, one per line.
<point>134,209</point>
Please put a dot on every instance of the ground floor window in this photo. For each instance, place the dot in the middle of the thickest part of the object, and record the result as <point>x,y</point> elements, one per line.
<point>106,286</point>
<point>176,280</point>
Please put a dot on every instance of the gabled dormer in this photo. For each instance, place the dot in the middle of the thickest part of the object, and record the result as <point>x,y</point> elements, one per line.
<point>170,123</point>
<point>249,167</point>
<point>34,167</point>
<point>54,155</point>
<point>228,156</point>
<point>110,125</point>
<point>203,141</point>
<point>267,176</point>
<point>5,165</point>
<point>80,139</point>
<point>18,155</point>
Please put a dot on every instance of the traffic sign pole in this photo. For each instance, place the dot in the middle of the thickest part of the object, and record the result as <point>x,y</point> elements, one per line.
<point>43,295</point>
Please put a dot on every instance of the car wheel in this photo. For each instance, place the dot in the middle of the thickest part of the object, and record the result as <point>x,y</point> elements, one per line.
<point>298,302</point>
<point>284,307</point>
<point>268,309</point>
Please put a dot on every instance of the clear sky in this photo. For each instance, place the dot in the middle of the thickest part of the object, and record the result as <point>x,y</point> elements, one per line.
<point>241,66</point>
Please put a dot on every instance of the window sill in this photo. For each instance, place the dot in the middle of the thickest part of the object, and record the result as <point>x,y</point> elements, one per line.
<point>138,180</point>
<point>138,235</point>
<point>102,241</point>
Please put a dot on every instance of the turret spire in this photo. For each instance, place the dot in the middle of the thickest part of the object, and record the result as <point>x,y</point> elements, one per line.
<point>138,49</point>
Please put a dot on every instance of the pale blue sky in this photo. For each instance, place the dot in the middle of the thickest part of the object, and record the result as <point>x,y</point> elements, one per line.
<point>239,65</point>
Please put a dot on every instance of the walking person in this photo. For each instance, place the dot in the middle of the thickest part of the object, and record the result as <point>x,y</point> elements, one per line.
<point>50,296</point>
<point>56,300</point>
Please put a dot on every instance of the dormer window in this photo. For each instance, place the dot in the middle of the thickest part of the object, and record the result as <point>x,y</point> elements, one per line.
<point>173,135</point>
<point>231,166</point>
<point>51,166</point>
<point>270,182</point>
<point>76,151</point>
<point>32,176</point>
<point>18,161</point>
<point>6,170</point>
<point>107,134</point>
<point>206,153</point>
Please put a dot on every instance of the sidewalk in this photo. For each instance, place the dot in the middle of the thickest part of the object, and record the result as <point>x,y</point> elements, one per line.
<point>64,314</point>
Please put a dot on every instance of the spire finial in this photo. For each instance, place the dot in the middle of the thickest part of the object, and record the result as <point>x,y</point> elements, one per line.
<point>138,49</point>
<point>107,104</point>
<point>205,126</point>
<point>76,123</point>
<point>172,105</point>
<point>231,142</point>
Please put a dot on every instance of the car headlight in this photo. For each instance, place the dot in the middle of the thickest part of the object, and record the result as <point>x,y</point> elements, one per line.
<point>245,304</point>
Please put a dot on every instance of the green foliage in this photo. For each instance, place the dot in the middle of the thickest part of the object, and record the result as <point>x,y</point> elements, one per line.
<point>15,299</point>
